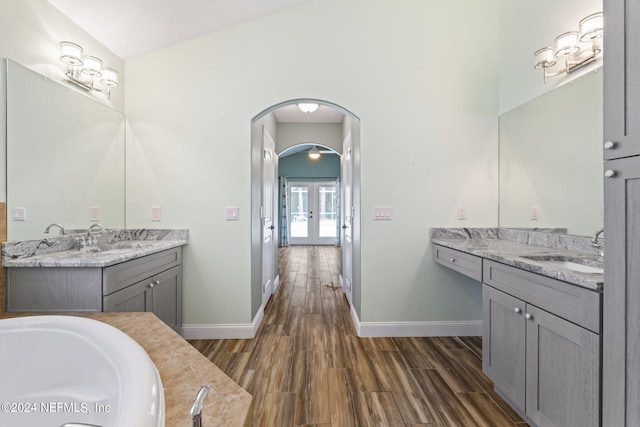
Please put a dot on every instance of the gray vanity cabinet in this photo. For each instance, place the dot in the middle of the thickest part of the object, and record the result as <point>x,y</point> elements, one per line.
<point>621,79</point>
<point>160,294</point>
<point>546,365</point>
<point>149,283</point>
<point>621,374</point>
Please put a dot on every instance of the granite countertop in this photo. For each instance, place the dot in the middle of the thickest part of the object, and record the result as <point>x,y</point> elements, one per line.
<point>183,370</point>
<point>113,247</point>
<point>511,250</point>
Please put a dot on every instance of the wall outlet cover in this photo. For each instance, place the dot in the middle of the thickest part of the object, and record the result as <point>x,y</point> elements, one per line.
<point>19,214</point>
<point>156,213</point>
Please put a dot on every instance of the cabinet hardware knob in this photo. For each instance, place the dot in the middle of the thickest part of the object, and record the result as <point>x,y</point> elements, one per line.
<point>518,310</point>
<point>452,260</point>
<point>528,316</point>
<point>151,285</point>
<point>610,173</point>
<point>609,145</point>
<point>157,282</point>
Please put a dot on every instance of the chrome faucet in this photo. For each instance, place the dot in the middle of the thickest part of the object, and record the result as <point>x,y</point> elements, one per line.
<point>596,243</point>
<point>196,409</point>
<point>60,232</point>
<point>91,239</point>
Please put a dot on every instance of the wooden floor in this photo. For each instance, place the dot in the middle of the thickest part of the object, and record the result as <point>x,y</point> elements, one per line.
<point>307,366</point>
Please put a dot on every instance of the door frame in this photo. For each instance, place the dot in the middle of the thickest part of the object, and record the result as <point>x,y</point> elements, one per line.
<point>266,117</point>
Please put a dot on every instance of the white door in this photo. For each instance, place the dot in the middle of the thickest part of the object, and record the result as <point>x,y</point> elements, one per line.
<point>346,166</point>
<point>312,213</point>
<point>267,211</point>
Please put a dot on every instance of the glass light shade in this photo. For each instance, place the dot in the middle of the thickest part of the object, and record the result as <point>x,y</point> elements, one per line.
<point>70,53</point>
<point>92,66</point>
<point>314,153</point>
<point>567,43</point>
<point>545,58</point>
<point>109,77</point>
<point>308,107</point>
<point>591,27</point>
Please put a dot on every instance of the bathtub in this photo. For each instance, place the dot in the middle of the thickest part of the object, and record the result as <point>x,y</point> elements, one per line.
<point>57,370</point>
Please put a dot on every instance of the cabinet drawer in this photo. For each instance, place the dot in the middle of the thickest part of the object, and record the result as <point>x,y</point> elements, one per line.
<point>573,303</point>
<point>467,264</point>
<point>120,276</point>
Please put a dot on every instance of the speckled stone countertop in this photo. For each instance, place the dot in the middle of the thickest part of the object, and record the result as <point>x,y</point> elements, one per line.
<point>183,370</point>
<point>113,247</point>
<point>509,246</point>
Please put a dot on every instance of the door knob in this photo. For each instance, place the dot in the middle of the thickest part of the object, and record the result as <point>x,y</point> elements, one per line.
<point>271,228</point>
<point>344,227</point>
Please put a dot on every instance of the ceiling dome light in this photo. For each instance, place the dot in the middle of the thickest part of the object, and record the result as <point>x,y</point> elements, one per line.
<point>308,107</point>
<point>314,153</point>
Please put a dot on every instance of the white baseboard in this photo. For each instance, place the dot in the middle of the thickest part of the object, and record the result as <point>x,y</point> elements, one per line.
<point>453,328</point>
<point>276,283</point>
<point>224,330</point>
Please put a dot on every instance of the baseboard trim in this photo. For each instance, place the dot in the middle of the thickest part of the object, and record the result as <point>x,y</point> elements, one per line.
<point>452,328</point>
<point>196,331</point>
<point>276,283</point>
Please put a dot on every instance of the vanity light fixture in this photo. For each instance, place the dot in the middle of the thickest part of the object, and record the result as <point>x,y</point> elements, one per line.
<point>314,153</point>
<point>572,50</point>
<point>87,71</point>
<point>307,107</point>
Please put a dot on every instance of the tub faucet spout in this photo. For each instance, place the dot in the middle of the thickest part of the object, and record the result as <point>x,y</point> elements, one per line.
<point>196,409</point>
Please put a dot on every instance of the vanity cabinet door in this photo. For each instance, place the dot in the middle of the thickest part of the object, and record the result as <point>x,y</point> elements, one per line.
<point>137,297</point>
<point>563,372</point>
<point>621,322</point>
<point>622,78</point>
<point>503,348</point>
<point>167,297</point>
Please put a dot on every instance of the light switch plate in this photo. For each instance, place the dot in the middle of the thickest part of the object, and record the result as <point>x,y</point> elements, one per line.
<point>231,213</point>
<point>534,213</point>
<point>19,214</point>
<point>382,212</point>
<point>156,213</point>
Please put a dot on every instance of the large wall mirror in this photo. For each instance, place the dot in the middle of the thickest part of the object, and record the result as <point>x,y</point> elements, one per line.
<point>551,160</point>
<point>65,155</point>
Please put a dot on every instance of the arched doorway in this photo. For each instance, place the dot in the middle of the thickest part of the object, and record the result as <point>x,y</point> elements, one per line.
<point>265,126</point>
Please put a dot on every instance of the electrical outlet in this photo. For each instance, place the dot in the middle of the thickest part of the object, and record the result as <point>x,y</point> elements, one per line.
<point>94,213</point>
<point>156,213</point>
<point>534,213</point>
<point>462,213</point>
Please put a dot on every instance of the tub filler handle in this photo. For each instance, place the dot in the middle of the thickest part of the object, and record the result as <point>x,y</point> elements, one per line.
<point>196,409</point>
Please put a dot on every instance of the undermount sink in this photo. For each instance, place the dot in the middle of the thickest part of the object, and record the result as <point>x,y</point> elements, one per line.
<point>577,264</point>
<point>122,246</point>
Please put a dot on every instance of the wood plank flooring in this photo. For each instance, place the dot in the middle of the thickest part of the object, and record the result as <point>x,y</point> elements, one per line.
<point>307,366</point>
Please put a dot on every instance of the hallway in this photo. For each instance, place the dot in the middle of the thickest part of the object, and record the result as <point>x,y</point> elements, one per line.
<point>307,366</point>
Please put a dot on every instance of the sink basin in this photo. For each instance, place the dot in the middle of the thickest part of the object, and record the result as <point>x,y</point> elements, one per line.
<point>122,246</point>
<point>573,263</point>
<point>581,268</point>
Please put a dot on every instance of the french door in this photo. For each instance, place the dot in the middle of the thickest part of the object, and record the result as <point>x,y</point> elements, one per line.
<point>312,213</point>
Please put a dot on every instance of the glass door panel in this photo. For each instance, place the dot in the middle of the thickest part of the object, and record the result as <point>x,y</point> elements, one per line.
<point>328,204</point>
<point>299,215</point>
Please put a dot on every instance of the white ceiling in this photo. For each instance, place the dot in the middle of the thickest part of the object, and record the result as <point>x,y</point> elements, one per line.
<point>131,28</point>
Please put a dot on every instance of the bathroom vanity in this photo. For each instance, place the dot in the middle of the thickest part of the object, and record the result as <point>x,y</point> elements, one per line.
<point>116,276</point>
<point>542,322</point>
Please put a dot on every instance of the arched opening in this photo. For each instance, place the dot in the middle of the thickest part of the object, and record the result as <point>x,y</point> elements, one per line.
<point>282,131</point>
